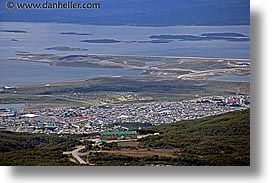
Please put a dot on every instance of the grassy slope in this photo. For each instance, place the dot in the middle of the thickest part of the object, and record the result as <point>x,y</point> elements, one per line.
<point>216,140</point>
<point>24,149</point>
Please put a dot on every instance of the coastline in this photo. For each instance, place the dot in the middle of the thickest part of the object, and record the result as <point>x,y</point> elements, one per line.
<point>167,68</point>
<point>52,63</point>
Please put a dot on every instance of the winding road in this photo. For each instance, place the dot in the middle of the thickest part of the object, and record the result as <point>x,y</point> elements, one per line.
<point>75,154</point>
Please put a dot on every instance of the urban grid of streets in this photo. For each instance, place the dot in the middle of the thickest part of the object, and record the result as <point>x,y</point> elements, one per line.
<point>75,120</point>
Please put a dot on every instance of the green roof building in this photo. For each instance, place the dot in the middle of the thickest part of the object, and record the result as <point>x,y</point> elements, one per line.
<point>118,135</point>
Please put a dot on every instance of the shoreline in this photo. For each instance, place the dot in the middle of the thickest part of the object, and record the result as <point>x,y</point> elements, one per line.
<point>139,56</point>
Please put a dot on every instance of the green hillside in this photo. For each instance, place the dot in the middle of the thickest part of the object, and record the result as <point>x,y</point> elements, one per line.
<point>215,140</point>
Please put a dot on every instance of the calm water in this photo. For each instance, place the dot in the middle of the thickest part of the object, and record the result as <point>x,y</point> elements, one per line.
<point>12,106</point>
<point>231,78</point>
<point>134,41</point>
<point>46,35</point>
<point>22,72</point>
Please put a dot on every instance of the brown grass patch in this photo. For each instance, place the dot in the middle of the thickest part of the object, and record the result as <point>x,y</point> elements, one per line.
<point>145,152</point>
<point>128,143</point>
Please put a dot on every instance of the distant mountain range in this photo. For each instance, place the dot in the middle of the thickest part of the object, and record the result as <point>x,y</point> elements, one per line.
<point>138,12</point>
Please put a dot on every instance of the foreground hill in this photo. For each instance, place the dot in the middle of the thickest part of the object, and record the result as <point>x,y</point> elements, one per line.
<point>217,140</point>
<point>25,149</point>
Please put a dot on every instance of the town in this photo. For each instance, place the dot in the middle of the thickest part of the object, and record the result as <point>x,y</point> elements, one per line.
<point>96,119</point>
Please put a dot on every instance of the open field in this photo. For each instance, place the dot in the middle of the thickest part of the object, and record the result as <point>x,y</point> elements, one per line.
<point>125,84</point>
<point>145,152</point>
<point>118,90</point>
<point>36,101</point>
<point>131,148</point>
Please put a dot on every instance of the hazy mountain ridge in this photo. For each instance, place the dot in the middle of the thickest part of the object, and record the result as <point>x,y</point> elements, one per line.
<point>139,12</point>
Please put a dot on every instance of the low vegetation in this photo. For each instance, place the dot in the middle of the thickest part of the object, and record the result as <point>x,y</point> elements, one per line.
<point>25,149</point>
<point>216,140</point>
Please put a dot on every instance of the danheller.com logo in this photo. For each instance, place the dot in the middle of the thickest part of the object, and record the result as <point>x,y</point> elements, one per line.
<point>53,5</point>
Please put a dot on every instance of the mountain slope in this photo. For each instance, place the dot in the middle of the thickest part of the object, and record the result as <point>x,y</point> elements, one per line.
<point>26,149</point>
<point>217,140</point>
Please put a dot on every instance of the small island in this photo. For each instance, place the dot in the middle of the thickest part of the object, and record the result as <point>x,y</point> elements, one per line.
<point>223,34</point>
<point>203,37</point>
<point>75,33</point>
<point>101,41</point>
<point>65,48</point>
<point>156,41</point>
<point>14,31</point>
